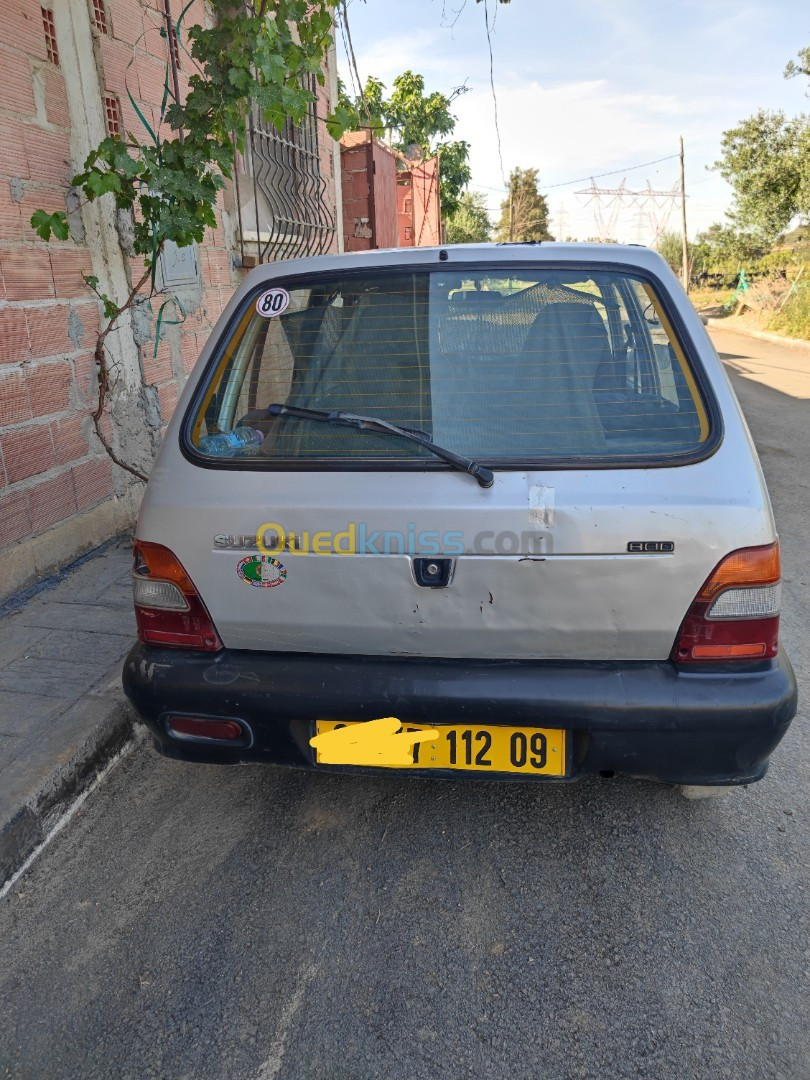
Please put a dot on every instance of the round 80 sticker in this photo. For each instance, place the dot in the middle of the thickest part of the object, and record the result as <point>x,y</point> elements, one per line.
<point>273,302</point>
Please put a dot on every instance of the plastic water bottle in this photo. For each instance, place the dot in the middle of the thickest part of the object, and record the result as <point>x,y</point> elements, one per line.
<point>229,443</point>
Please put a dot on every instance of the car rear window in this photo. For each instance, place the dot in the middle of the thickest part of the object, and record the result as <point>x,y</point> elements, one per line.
<point>512,366</point>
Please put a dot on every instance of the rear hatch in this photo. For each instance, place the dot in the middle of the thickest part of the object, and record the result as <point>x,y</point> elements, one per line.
<point>615,490</point>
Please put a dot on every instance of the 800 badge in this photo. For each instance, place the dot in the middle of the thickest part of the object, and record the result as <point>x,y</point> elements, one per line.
<point>263,571</point>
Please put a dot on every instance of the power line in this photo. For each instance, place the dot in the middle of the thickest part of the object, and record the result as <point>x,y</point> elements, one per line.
<point>348,58</point>
<point>592,176</point>
<point>614,172</point>
<point>492,85</point>
<point>353,60</point>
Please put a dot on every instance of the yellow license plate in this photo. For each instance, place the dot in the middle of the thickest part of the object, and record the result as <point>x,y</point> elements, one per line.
<point>472,748</point>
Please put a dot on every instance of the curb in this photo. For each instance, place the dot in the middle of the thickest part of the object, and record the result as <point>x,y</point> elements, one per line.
<point>763,335</point>
<point>65,763</point>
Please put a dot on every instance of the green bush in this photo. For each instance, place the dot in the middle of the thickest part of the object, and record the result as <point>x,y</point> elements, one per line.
<point>776,261</point>
<point>794,318</point>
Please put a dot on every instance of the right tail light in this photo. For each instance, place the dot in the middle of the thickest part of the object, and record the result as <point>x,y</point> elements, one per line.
<point>735,616</point>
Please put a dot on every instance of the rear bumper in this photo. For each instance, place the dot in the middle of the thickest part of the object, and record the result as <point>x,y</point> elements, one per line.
<point>646,719</point>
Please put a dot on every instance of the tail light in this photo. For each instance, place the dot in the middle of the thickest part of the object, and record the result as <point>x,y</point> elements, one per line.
<point>168,608</point>
<point>735,616</point>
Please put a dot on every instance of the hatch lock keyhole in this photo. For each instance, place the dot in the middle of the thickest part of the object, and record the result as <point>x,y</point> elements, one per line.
<point>432,573</point>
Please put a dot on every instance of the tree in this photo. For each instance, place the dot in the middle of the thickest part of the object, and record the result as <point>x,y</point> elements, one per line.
<point>470,223</point>
<point>701,254</point>
<point>414,122</point>
<point>766,160</point>
<point>727,244</point>
<point>524,212</point>
<point>670,248</point>
<point>454,174</point>
<point>800,67</point>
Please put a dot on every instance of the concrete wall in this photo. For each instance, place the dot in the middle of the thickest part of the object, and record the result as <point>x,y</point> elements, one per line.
<point>59,492</point>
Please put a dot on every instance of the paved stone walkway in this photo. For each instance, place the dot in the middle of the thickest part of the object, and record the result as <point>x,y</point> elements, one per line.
<point>62,709</point>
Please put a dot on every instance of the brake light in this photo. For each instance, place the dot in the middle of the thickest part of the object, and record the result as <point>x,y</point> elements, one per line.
<point>168,609</point>
<point>735,615</point>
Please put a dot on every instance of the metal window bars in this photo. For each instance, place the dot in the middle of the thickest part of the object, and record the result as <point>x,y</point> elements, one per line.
<point>281,193</point>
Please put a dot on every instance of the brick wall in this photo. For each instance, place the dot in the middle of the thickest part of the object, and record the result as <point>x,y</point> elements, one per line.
<point>369,174</point>
<point>385,197</point>
<point>355,171</point>
<point>54,473</point>
<point>49,467</point>
<point>418,205</point>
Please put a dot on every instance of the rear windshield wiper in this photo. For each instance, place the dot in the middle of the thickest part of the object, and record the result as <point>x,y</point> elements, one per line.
<point>371,423</point>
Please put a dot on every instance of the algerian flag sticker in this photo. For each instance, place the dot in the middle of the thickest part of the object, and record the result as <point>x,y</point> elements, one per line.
<point>263,571</point>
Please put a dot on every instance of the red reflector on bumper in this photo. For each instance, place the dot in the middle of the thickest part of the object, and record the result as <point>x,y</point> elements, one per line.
<point>224,730</point>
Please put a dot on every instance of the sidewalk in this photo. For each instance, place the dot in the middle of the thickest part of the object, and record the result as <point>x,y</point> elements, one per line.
<point>736,326</point>
<point>63,713</point>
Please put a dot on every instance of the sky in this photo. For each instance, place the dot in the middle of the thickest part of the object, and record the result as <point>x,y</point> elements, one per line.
<point>591,87</point>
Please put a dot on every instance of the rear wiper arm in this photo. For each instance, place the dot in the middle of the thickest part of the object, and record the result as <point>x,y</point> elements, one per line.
<point>371,423</point>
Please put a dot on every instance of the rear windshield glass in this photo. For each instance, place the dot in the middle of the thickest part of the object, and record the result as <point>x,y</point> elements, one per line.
<point>517,366</point>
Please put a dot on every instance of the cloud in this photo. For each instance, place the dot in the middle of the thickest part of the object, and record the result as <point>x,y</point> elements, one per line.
<point>574,128</point>
<point>587,127</point>
<point>418,50</point>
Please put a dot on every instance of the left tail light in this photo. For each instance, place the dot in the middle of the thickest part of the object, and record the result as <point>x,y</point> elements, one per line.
<point>168,609</point>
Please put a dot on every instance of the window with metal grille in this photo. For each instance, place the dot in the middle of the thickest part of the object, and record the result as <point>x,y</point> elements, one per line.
<point>100,16</point>
<point>282,199</point>
<point>50,35</point>
<point>112,112</point>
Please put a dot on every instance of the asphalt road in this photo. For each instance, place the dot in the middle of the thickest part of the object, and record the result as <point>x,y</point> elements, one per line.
<point>204,922</point>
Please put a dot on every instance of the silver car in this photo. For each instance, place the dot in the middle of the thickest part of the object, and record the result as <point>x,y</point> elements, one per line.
<point>486,511</point>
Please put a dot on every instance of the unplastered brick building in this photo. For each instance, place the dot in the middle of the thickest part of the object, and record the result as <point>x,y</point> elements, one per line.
<point>389,200</point>
<point>73,71</point>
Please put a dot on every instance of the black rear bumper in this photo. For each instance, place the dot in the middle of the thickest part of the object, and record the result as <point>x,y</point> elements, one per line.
<point>646,719</point>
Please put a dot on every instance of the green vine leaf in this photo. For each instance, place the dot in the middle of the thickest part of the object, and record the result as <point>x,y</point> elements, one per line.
<point>46,224</point>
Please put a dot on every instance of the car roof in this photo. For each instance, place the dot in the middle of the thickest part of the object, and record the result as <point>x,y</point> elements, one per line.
<point>622,255</point>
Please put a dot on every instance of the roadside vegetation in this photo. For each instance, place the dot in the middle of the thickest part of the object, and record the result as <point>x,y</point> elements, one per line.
<point>757,265</point>
<point>769,289</point>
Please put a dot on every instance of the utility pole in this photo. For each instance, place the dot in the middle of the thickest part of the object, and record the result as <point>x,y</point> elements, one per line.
<point>685,270</point>
<point>511,219</point>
